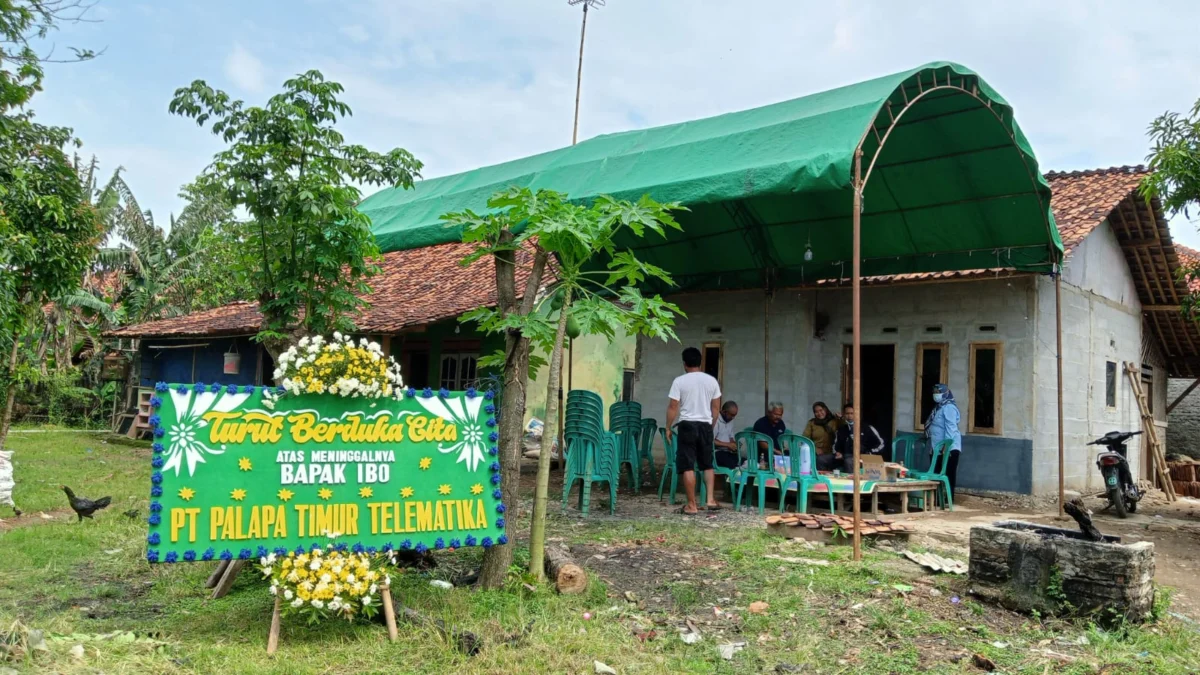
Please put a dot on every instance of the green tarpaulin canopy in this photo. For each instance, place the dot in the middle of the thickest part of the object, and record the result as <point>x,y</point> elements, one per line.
<point>951,184</point>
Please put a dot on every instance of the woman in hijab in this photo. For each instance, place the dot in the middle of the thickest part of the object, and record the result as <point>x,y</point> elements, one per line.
<point>942,425</point>
<point>822,431</point>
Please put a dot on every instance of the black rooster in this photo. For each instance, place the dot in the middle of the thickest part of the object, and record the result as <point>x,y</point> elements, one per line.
<point>84,508</point>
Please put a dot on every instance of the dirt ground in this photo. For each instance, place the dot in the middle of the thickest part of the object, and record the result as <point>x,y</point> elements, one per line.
<point>1173,528</point>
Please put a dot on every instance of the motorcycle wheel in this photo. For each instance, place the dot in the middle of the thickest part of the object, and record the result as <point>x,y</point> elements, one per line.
<point>1118,502</point>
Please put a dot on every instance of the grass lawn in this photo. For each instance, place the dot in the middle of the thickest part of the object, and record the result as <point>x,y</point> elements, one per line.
<point>81,581</point>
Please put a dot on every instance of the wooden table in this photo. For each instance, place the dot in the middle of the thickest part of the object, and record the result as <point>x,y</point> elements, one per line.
<point>845,486</point>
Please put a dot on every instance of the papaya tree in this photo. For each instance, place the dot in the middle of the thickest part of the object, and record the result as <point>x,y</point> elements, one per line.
<point>595,285</point>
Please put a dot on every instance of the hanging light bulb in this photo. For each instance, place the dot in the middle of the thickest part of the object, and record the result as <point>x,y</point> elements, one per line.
<point>808,250</point>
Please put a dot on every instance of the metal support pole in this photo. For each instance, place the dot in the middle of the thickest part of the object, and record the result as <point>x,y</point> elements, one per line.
<point>579,76</point>
<point>1058,342</point>
<point>855,355</point>
<point>767,345</point>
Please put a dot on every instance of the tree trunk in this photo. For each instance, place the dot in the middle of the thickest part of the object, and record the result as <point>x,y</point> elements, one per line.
<point>537,528</point>
<point>497,559</point>
<point>10,394</point>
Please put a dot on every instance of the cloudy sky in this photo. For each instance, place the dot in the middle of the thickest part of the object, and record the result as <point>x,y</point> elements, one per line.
<point>467,83</point>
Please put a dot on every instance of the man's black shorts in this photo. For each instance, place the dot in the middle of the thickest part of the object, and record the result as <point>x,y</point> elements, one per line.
<point>694,447</point>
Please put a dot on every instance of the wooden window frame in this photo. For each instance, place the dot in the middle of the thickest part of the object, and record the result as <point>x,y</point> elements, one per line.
<point>1116,384</point>
<point>998,410</point>
<point>944,347</point>
<point>721,368</point>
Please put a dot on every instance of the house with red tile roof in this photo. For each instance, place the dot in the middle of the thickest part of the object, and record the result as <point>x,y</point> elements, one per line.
<point>414,308</point>
<point>989,333</point>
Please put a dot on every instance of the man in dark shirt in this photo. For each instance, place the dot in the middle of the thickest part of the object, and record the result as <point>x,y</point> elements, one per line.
<point>771,425</point>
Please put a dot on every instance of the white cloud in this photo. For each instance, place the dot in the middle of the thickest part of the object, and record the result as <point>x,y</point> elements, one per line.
<point>355,32</point>
<point>245,69</point>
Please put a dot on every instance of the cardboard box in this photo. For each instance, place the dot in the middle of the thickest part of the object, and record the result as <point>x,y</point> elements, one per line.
<point>872,466</point>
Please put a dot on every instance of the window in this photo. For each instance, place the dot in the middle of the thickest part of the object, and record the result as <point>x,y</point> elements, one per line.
<point>627,386</point>
<point>713,361</point>
<point>933,366</point>
<point>1110,384</point>
<point>458,371</point>
<point>985,384</point>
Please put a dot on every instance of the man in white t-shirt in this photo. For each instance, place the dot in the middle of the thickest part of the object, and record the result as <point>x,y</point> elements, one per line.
<point>694,401</point>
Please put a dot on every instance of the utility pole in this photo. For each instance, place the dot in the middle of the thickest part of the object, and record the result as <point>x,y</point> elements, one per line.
<point>579,71</point>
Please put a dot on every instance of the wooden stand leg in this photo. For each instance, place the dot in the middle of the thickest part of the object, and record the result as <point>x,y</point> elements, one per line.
<point>273,636</point>
<point>903,502</point>
<point>874,503</point>
<point>228,578</point>
<point>217,574</point>
<point>389,613</point>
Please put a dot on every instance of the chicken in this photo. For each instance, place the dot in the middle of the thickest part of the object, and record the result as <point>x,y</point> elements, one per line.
<point>84,508</point>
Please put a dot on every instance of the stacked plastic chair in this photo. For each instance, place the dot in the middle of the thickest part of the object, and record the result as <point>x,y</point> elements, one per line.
<point>591,452</point>
<point>625,420</point>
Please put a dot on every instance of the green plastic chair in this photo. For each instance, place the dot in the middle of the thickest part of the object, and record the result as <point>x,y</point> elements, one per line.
<point>589,460</point>
<point>937,472</point>
<point>797,448</point>
<point>669,469</point>
<point>625,420</point>
<point>731,475</point>
<point>747,443</point>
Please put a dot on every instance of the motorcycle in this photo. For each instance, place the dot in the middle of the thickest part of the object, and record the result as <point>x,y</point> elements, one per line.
<point>1123,494</point>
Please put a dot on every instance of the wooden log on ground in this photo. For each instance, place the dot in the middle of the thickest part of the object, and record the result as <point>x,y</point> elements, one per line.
<point>1076,510</point>
<point>567,575</point>
<point>217,574</point>
<point>227,579</point>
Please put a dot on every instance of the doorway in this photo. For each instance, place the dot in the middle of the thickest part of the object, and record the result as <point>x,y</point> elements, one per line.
<point>878,389</point>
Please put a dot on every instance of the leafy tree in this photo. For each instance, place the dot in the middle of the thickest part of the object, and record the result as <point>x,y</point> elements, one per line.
<point>310,252</point>
<point>1175,161</point>
<point>596,295</point>
<point>48,228</point>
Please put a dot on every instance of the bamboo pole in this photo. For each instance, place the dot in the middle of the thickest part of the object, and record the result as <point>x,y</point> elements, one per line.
<point>855,355</point>
<point>1058,341</point>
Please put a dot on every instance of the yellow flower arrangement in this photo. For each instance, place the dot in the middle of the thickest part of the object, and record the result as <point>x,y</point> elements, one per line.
<point>327,583</point>
<point>339,366</point>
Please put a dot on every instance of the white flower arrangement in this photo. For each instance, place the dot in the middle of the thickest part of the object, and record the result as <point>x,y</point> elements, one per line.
<point>339,366</point>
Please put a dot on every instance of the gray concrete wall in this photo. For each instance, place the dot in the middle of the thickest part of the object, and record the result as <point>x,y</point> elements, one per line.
<point>1102,322</point>
<point>1183,433</point>
<point>804,368</point>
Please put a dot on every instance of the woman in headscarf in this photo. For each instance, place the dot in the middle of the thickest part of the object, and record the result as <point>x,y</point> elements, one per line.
<point>822,431</point>
<point>942,425</point>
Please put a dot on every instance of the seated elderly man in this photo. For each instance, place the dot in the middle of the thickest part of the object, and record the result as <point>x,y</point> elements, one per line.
<point>771,425</point>
<point>723,441</point>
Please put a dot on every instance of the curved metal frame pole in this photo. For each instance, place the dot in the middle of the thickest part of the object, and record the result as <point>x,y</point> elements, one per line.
<point>856,366</point>
<point>1059,359</point>
<point>859,185</point>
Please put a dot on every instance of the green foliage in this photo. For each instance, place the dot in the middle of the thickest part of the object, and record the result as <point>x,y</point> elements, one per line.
<point>576,236</point>
<point>1175,179</point>
<point>48,227</point>
<point>309,251</point>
